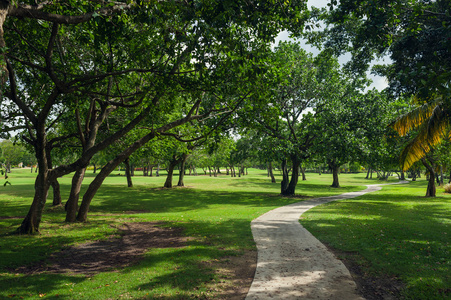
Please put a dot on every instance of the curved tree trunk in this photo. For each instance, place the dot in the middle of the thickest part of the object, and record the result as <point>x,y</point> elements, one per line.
<point>82,215</point>
<point>72,203</point>
<point>30,224</point>
<point>172,165</point>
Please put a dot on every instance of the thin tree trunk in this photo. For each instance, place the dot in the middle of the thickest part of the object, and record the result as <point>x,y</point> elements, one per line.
<point>82,215</point>
<point>182,170</point>
<point>271,174</point>
<point>56,193</point>
<point>368,173</point>
<point>128,173</point>
<point>303,174</point>
<point>431,190</point>
<point>72,203</point>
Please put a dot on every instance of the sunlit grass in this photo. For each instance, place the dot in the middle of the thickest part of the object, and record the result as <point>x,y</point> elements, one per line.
<point>216,212</point>
<point>396,232</point>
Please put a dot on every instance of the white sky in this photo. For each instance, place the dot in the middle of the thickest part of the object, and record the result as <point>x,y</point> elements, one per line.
<point>378,82</point>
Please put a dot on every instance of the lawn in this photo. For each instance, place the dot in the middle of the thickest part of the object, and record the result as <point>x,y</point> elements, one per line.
<point>395,233</point>
<point>215,212</point>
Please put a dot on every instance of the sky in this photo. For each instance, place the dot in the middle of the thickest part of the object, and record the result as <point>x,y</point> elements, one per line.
<point>378,82</point>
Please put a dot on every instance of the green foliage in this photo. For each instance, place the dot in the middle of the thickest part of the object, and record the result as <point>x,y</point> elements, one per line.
<point>416,35</point>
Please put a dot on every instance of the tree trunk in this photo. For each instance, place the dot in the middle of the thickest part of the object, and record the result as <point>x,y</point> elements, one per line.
<point>182,170</point>
<point>403,175</point>
<point>431,190</point>
<point>284,183</point>
<point>72,203</point>
<point>56,193</point>
<point>157,173</point>
<point>128,173</point>
<point>335,168</point>
<point>95,168</point>
<point>172,165</point>
<point>303,174</point>
<point>271,174</point>
<point>30,224</point>
<point>368,173</point>
<point>291,188</point>
<point>4,5</point>
<point>82,215</point>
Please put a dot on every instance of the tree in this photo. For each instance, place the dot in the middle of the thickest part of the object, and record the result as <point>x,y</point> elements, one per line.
<point>416,35</point>
<point>11,153</point>
<point>91,60</point>
<point>284,115</point>
<point>351,123</point>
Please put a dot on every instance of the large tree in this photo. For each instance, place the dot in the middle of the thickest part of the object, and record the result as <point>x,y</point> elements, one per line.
<point>83,61</point>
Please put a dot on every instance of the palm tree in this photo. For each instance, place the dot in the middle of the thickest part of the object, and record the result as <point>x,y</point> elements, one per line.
<point>431,121</point>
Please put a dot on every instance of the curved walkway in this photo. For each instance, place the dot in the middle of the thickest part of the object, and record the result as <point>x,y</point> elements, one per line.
<point>292,263</point>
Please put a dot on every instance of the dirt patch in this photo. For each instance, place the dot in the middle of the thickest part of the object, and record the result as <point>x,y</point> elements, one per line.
<point>116,252</point>
<point>369,286</point>
<point>11,218</point>
<point>236,274</point>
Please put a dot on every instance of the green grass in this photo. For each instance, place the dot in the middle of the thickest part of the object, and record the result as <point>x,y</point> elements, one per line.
<point>215,211</point>
<point>395,232</point>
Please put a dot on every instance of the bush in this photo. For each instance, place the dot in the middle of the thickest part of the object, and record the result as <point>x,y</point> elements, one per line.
<point>447,188</point>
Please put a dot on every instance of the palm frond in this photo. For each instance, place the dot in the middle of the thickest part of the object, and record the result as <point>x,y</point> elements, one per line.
<point>414,118</point>
<point>415,150</point>
<point>430,133</point>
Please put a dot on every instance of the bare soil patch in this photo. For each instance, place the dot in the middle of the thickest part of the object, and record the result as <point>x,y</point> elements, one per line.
<point>116,252</point>
<point>235,272</point>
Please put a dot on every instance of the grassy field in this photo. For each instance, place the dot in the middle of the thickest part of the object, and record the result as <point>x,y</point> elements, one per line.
<point>396,234</point>
<point>217,212</point>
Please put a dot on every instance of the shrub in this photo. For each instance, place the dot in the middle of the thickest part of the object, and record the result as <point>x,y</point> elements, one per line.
<point>447,188</point>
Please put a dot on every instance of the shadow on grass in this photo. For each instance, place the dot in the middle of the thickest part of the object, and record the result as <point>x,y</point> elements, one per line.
<point>405,236</point>
<point>36,286</point>
<point>161,271</point>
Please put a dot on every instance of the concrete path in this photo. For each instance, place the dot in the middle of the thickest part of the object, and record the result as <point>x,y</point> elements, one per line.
<point>292,263</point>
